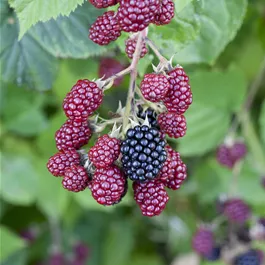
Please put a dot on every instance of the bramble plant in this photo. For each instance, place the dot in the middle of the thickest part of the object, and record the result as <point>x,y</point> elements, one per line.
<point>135,148</point>
<point>133,132</point>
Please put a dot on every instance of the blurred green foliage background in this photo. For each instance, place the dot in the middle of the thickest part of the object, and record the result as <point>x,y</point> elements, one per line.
<point>221,44</point>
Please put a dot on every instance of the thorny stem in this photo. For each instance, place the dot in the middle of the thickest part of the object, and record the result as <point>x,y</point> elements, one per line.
<point>130,98</point>
<point>161,58</point>
<point>118,75</point>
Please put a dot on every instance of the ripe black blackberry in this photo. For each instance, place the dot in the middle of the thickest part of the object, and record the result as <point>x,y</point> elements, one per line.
<point>251,257</point>
<point>143,153</point>
<point>151,116</point>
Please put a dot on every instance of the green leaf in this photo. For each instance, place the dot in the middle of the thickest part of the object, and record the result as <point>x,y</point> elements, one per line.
<point>52,198</point>
<point>207,126</point>
<point>30,12</point>
<point>67,37</point>
<point>19,179</point>
<point>25,62</point>
<point>185,26</point>
<point>223,90</point>
<point>145,260</point>
<point>18,258</point>
<point>22,111</point>
<point>11,243</point>
<point>220,21</point>
<point>262,122</point>
<point>205,262</point>
<point>119,243</point>
<point>45,141</point>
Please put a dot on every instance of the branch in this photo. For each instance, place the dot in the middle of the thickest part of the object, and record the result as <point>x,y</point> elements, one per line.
<point>161,58</point>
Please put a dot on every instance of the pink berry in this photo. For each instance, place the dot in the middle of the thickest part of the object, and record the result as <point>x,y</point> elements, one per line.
<point>72,135</point>
<point>151,196</point>
<point>203,241</point>
<point>75,179</point>
<point>109,185</point>
<point>84,98</point>
<point>154,87</point>
<point>105,29</point>
<point>172,124</point>
<point>58,163</point>
<point>179,95</point>
<point>105,152</point>
<point>136,15</point>
<point>165,13</point>
<point>130,46</point>
<point>103,3</point>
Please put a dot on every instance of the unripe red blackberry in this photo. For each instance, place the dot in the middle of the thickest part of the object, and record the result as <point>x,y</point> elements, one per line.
<point>75,179</point>
<point>58,163</point>
<point>154,87</point>
<point>228,155</point>
<point>165,13</point>
<point>109,67</point>
<point>109,185</point>
<point>136,15</point>
<point>179,95</point>
<point>151,196</point>
<point>236,211</point>
<point>172,124</point>
<point>72,135</point>
<point>105,29</point>
<point>178,173</point>
<point>84,98</point>
<point>81,252</point>
<point>203,241</point>
<point>103,3</point>
<point>105,152</point>
<point>57,259</point>
<point>130,46</point>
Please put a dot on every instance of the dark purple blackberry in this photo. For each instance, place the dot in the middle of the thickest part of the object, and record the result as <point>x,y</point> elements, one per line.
<point>143,153</point>
<point>214,255</point>
<point>151,116</point>
<point>251,257</point>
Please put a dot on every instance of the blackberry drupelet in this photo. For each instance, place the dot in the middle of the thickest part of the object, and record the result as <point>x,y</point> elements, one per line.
<point>214,255</point>
<point>143,153</point>
<point>151,116</point>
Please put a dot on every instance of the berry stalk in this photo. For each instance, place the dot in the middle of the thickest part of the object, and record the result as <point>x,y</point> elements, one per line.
<point>129,108</point>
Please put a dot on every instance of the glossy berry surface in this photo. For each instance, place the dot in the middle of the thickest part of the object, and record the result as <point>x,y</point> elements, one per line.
<point>179,95</point>
<point>203,241</point>
<point>130,46</point>
<point>172,124</point>
<point>72,135</point>
<point>229,155</point>
<point>236,211</point>
<point>136,15</point>
<point>84,98</point>
<point>174,172</point>
<point>105,29</point>
<point>143,153</point>
<point>150,114</point>
<point>105,152</point>
<point>103,3</point>
<point>58,163</point>
<point>151,196</point>
<point>109,67</point>
<point>109,185</point>
<point>75,179</point>
<point>165,13</point>
<point>154,87</point>
<point>249,258</point>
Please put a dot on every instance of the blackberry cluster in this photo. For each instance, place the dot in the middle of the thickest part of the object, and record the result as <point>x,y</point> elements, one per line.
<point>131,16</point>
<point>251,257</point>
<point>143,153</point>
